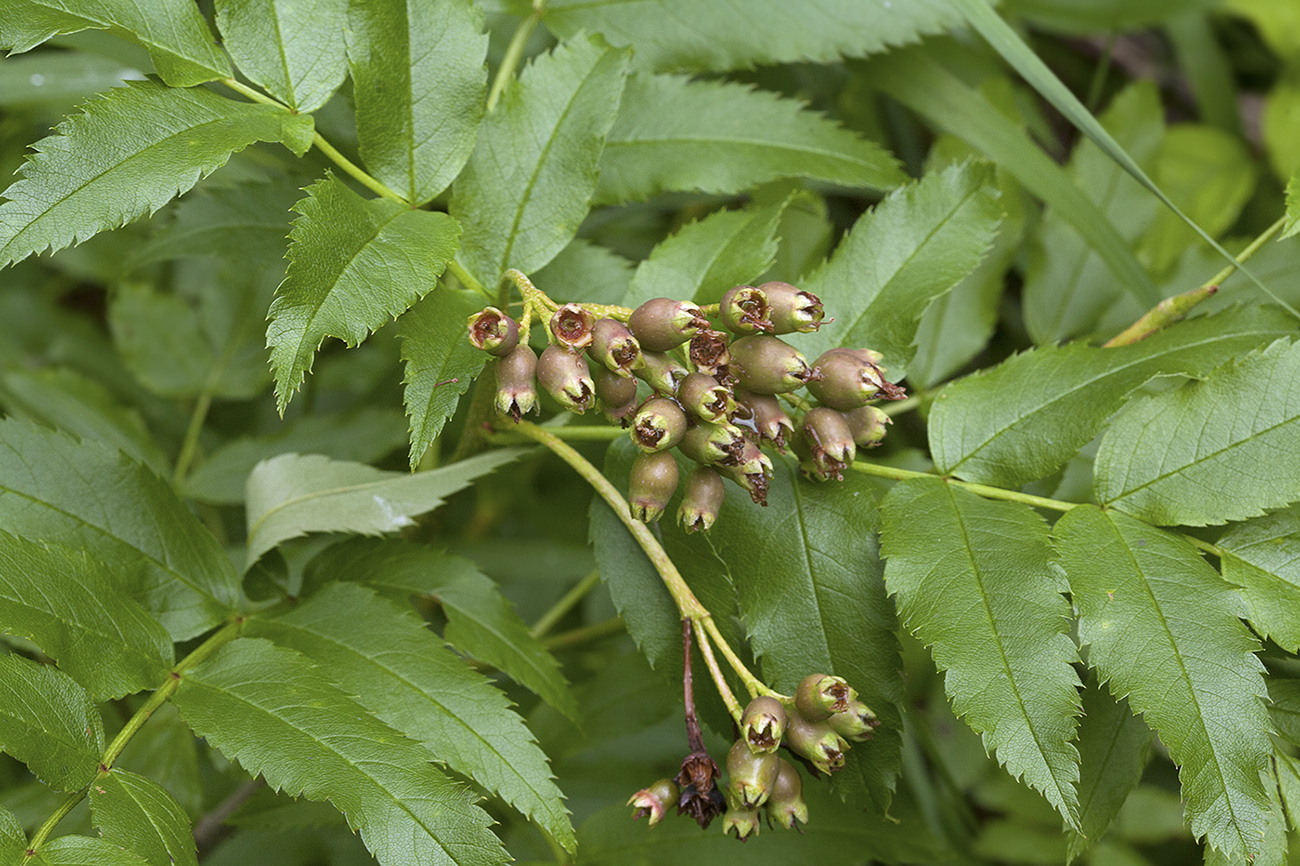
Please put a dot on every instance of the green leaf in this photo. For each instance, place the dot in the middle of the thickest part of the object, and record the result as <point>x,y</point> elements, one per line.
<point>1113,748</point>
<point>707,257</point>
<point>1023,419</point>
<point>89,496</point>
<point>1100,16</point>
<point>1068,287</point>
<point>980,15</point>
<point>178,39</point>
<point>353,262</point>
<point>1262,556</point>
<point>585,272</point>
<point>366,435</point>
<point>66,400</point>
<point>441,363</point>
<point>127,154</point>
<point>250,217</point>
<point>706,35</point>
<point>293,495</point>
<point>808,576</point>
<point>528,183</point>
<point>66,602</point>
<point>1209,451</point>
<point>1284,708</point>
<point>84,851</point>
<point>270,710</point>
<point>419,82</point>
<point>139,815</point>
<point>402,673</point>
<point>49,723</point>
<point>13,841</point>
<point>974,580</point>
<point>1161,627</point>
<point>719,137</point>
<point>479,619</point>
<point>53,77</point>
<point>913,247</point>
<point>917,79</point>
<point>165,750</point>
<point>293,50</point>
<point>1292,225</point>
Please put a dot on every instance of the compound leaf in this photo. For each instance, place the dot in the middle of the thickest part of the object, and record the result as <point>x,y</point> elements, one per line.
<point>440,363</point>
<point>126,155</point>
<point>915,245</point>
<point>1024,418</point>
<point>141,816</point>
<point>708,35</point>
<point>974,580</point>
<point>1262,556</point>
<point>674,134</point>
<point>1162,629</point>
<point>709,256</point>
<point>353,263</point>
<point>90,496</point>
<point>174,32</point>
<point>402,673</point>
<point>73,608</point>
<point>292,495</point>
<point>272,711</point>
<point>419,82</point>
<point>480,621</point>
<point>528,183</point>
<point>1209,451</point>
<point>49,723</point>
<point>293,50</point>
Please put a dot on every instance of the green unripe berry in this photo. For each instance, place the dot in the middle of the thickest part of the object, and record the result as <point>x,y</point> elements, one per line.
<point>516,374</point>
<point>829,441</point>
<point>820,695</point>
<point>651,484</point>
<point>661,372</point>
<point>785,805</point>
<point>791,309</point>
<point>661,324</point>
<point>701,500</point>
<point>659,424</point>
<point>856,723</point>
<point>493,331</point>
<point>768,365</point>
<point>705,397</point>
<point>763,724</point>
<point>566,377</point>
<point>572,325</point>
<point>613,345</point>
<point>745,310</point>
<point>750,774</point>
<point>817,742</point>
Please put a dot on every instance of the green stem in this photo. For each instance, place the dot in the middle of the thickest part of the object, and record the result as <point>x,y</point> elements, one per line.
<point>514,54</point>
<point>256,96</point>
<point>566,603</point>
<point>355,170</point>
<point>571,433</point>
<point>724,688</point>
<point>1172,309</point>
<point>190,446</point>
<point>467,279</point>
<point>133,725</point>
<point>595,631</point>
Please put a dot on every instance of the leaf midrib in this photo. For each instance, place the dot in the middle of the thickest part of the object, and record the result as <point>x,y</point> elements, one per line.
<point>764,144</point>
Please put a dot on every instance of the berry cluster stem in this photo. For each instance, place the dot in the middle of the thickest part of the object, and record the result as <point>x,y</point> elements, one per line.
<point>688,606</point>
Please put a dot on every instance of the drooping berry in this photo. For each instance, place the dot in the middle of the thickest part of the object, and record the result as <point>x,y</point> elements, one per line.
<point>745,310</point>
<point>572,326</point>
<point>750,774</point>
<point>817,742</point>
<point>848,382</point>
<point>769,365</point>
<point>752,470</point>
<point>829,441</point>
<point>701,499</point>
<point>516,382</point>
<point>493,331</point>
<point>792,309</point>
<point>661,324</point>
<point>785,805</point>
<point>566,377</point>
<point>713,444</point>
<point>820,695</point>
<point>651,484</point>
<point>741,822</point>
<point>856,723</point>
<point>661,372</point>
<point>763,724</point>
<point>613,345</point>
<point>617,395</point>
<point>705,397</point>
<point>659,424</point>
<point>867,425</point>
<point>654,800</point>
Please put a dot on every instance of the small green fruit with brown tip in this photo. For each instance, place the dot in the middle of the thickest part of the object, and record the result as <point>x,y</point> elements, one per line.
<point>820,695</point>
<point>750,774</point>
<point>701,499</point>
<point>661,324</point>
<point>566,377</point>
<point>763,724</point>
<point>493,331</point>
<point>516,374</point>
<point>651,484</point>
<point>785,805</point>
<point>659,424</point>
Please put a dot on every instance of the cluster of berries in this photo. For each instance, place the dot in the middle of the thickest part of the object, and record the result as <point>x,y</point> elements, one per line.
<point>714,393</point>
<point>816,727</point>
